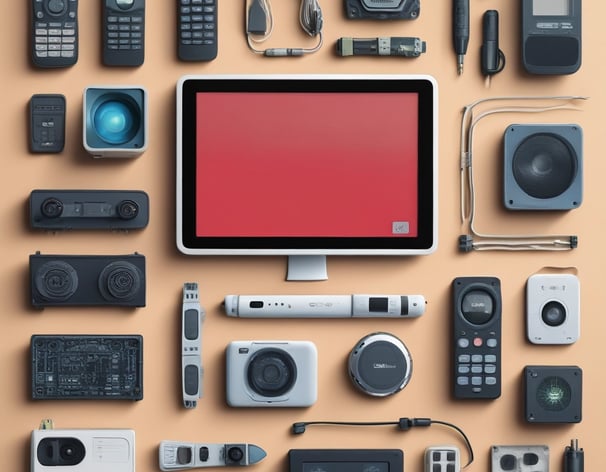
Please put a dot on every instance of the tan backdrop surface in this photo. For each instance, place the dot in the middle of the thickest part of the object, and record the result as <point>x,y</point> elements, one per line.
<point>160,414</point>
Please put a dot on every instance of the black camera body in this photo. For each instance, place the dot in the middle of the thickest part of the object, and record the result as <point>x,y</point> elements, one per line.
<point>382,9</point>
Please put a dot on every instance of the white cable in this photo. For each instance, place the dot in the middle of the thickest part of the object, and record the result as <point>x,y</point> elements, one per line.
<point>467,202</point>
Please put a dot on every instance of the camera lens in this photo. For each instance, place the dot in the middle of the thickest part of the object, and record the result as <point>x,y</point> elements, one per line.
<point>60,451</point>
<point>553,313</point>
<point>51,208</point>
<point>127,209</point>
<point>116,120</point>
<point>271,372</point>
<point>235,454</point>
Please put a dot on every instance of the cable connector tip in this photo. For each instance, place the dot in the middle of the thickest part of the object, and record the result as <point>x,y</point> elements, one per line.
<point>298,428</point>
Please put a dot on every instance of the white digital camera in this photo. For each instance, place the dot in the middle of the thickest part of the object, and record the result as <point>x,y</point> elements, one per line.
<point>271,373</point>
<point>83,450</point>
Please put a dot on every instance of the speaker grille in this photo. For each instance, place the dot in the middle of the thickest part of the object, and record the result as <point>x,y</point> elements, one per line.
<point>544,165</point>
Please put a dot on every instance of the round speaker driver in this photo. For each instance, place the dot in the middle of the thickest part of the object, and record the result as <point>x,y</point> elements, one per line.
<point>544,165</point>
<point>380,364</point>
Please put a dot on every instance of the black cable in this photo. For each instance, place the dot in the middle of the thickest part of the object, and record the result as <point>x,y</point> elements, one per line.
<point>403,424</point>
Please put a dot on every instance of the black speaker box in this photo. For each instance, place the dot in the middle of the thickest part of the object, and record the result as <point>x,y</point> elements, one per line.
<point>77,280</point>
<point>553,394</point>
<point>543,167</point>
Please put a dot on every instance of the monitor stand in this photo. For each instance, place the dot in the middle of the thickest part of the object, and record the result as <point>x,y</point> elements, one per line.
<point>306,268</point>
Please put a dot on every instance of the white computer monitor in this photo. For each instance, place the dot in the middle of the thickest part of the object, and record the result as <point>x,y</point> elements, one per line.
<point>307,165</point>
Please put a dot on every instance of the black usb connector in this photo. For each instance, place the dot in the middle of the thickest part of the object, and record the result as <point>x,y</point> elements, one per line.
<point>257,19</point>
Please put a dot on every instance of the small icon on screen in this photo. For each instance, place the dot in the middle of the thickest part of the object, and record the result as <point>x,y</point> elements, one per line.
<point>399,227</point>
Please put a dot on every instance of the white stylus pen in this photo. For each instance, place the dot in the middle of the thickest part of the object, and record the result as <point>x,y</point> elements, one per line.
<point>324,306</point>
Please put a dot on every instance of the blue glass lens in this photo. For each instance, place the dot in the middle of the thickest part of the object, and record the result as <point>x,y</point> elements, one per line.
<point>114,122</point>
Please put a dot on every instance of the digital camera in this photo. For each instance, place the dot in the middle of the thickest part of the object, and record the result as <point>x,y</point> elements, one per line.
<point>271,373</point>
<point>83,450</point>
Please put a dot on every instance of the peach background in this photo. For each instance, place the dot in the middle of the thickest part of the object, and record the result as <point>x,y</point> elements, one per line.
<point>160,415</point>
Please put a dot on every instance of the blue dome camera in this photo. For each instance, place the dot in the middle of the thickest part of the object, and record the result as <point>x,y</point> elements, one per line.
<point>115,121</point>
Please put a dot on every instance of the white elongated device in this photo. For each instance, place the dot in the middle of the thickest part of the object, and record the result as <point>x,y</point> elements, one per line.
<point>192,370</point>
<point>325,306</point>
<point>179,455</point>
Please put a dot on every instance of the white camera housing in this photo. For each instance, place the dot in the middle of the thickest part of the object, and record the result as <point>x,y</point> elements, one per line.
<point>271,373</point>
<point>83,450</point>
<point>553,311</point>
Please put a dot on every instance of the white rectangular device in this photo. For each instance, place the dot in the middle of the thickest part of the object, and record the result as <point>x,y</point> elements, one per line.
<point>83,450</point>
<point>271,373</point>
<point>307,165</point>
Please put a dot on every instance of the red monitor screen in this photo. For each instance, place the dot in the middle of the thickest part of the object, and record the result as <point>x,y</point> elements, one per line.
<point>306,164</point>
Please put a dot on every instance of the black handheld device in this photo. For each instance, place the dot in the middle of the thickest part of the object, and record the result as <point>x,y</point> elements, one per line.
<point>47,123</point>
<point>54,28</point>
<point>477,337</point>
<point>551,36</point>
<point>197,30</point>
<point>123,32</point>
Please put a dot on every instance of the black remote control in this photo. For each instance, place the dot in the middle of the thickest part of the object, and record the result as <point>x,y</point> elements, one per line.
<point>477,337</point>
<point>54,33</point>
<point>47,123</point>
<point>123,32</point>
<point>197,30</point>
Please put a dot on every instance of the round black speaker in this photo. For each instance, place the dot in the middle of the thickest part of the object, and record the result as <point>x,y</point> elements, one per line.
<point>56,281</point>
<point>544,165</point>
<point>119,280</point>
<point>380,364</point>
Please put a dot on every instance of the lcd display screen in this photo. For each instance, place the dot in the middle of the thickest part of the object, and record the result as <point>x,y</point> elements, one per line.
<point>330,164</point>
<point>306,164</point>
<point>551,7</point>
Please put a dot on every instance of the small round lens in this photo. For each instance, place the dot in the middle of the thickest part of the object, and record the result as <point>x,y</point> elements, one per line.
<point>553,313</point>
<point>115,122</point>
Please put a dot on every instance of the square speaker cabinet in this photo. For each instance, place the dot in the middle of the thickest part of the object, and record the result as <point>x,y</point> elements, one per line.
<point>543,167</point>
<point>553,394</point>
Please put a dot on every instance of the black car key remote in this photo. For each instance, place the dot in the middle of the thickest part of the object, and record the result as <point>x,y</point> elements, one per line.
<point>47,123</point>
<point>54,33</point>
<point>477,337</point>
<point>123,32</point>
<point>197,30</point>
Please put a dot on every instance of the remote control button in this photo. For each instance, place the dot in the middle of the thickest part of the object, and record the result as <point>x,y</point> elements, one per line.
<point>56,7</point>
<point>463,380</point>
<point>476,381</point>
<point>492,342</point>
<point>490,369</point>
<point>477,358</point>
<point>477,342</point>
<point>491,380</point>
<point>464,358</point>
<point>476,369</point>
<point>464,369</point>
<point>463,342</point>
<point>490,358</point>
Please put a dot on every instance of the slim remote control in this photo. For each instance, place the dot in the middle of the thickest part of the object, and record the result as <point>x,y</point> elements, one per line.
<point>197,30</point>
<point>477,337</point>
<point>123,32</point>
<point>54,33</point>
<point>47,123</point>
